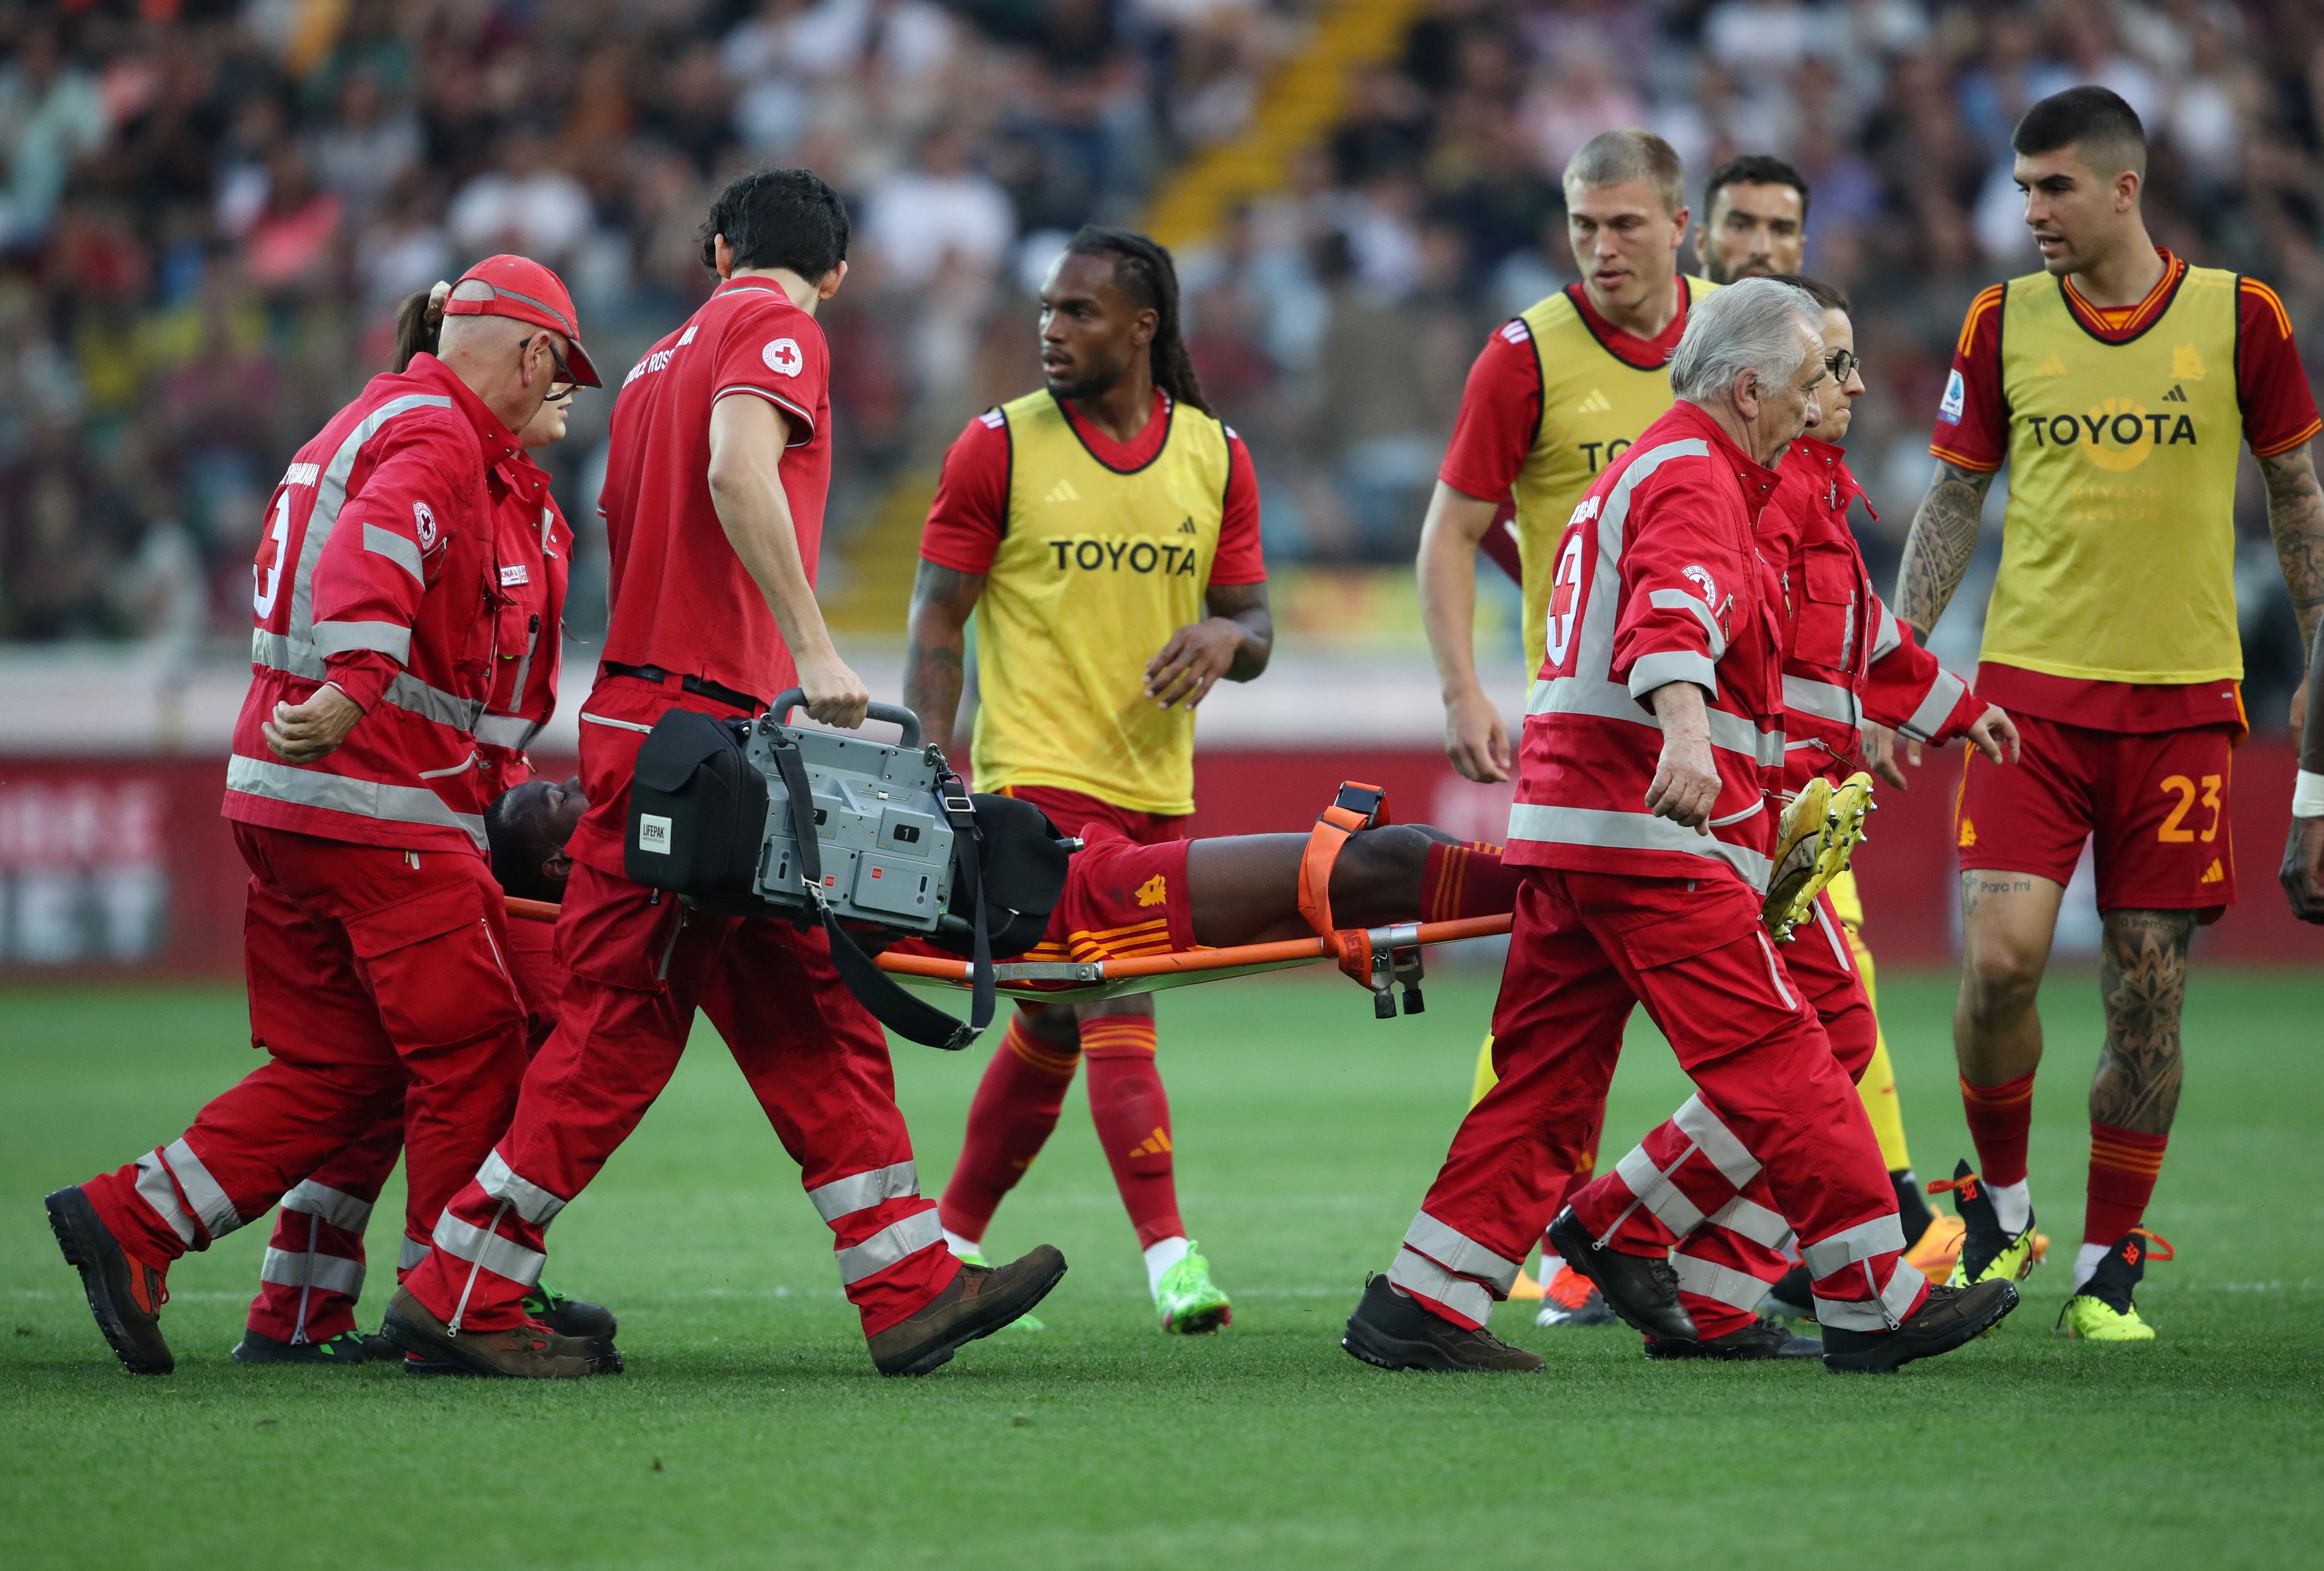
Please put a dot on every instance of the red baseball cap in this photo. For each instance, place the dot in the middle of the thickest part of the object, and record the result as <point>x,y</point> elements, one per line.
<point>526,290</point>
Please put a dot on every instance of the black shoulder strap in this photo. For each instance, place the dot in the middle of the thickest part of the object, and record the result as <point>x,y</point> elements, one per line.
<point>910,1017</point>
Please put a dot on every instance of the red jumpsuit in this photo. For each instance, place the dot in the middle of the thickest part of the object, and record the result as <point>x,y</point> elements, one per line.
<point>1658,580</point>
<point>689,627</point>
<point>1844,658</point>
<point>313,1270</point>
<point>374,936</point>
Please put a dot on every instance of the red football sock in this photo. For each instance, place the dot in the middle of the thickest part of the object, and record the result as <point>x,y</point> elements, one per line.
<point>1468,880</point>
<point>1015,1106</point>
<point>1999,1119</point>
<point>1133,1121</point>
<point>2124,1165</point>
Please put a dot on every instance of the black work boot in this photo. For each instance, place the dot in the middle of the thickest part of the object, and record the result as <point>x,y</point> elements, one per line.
<point>347,1348</point>
<point>1763,1338</point>
<point>1951,1316</point>
<point>976,1303</point>
<point>1392,1331</point>
<point>125,1295</point>
<point>574,1317</point>
<point>1641,1289</point>
<point>526,1352</point>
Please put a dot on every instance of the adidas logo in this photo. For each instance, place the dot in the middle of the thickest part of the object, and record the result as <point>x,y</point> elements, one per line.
<point>1967,833</point>
<point>1063,491</point>
<point>2177,394</point>
<point>2054,366</point>
<point>1156,1144</point>
<point>2213,874</point>
<point>1186,525</point>
<point>1596,404</point>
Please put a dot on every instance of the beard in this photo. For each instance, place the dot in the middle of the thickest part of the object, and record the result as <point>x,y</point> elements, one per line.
<point>1095,380</point>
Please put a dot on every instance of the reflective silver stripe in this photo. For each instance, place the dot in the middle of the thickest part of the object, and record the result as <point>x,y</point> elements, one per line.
<point>618,725</point>
<point>891,1244</point>
<point>462,767</point>
<point>409,1254</point>
<point>336,1206</point>
<point>331,494</point>
<point>154,1186</point>
<point>1881,1236</point>
<point>1650,672</point>
<point>1456,1251</point>
<point>1929,717</point>
<point>1775,971</point>
<point>342,794</point>
<point>1417,1273</point>
<point>1612,701</point>
<point>405,691</point>
<point>402,552</point>
<point>1885,643</point>
<point>1758,807</point>
<point>202,1191</point>
<point>494,1253</point>
<point>513,732</point>
<point>1631,832</point>
<point>1824,700</point>
<point>392,639</point>
<point>1867,1314</point>
<point>862,1191</point>
<point>1718,1142</point>
<point>1832,931</point>
<point>1752,1221</point>
<point>1643,1178</point>
<point>1680,600</point>
<point>533,1203</point>
<point>332,1273</point>
<point>1709,1279</point>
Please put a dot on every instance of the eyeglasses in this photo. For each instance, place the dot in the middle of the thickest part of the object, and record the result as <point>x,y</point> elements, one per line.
<point>562,385</point>
<point>1843,364</point>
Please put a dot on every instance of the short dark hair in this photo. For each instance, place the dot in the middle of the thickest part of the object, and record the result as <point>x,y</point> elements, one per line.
<point>2085,117</point>
<point>1830,296</point>
<point>516,847</point>
<point>1754,169</point>
<point>778,217</point>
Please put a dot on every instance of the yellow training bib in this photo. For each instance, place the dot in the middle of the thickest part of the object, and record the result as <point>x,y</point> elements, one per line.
<point>2118,555</point>
<point>1593,405</point>
<point>1097,568</point>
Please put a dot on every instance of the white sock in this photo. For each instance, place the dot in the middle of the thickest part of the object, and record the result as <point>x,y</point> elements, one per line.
<point>2086,1262</point>
<point>1550,1264</point>
<point>1160,1258</point>
<point>2013,1205</point>
<point>962,1247</point>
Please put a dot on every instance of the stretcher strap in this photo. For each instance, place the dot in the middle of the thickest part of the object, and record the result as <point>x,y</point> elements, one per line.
<point>1356,807</point>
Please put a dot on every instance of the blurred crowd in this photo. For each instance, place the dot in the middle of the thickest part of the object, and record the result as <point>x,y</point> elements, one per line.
<point>210,207</point>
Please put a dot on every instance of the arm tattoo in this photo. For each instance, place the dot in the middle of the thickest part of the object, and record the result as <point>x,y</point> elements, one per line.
<point>1245,604</point>
<point>1938,550</point>
<point>941,600</point>
<point>2295,517</point>
<point>2142,982</point>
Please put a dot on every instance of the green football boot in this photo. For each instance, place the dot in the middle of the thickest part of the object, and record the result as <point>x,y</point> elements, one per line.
<point>1988,1253</point>
<point>1188,1301</point>
<point>2102,1311</point>
<point>1022,1322</point>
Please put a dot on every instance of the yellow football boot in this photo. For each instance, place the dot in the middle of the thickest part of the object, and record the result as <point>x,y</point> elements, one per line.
<point>2102,1311</point>
<point>1819,830</point>
<point>1987,1251</point>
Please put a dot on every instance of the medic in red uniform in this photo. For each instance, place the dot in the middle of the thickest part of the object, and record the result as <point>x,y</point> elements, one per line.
<point>714,489</point>
<point>375,936</point>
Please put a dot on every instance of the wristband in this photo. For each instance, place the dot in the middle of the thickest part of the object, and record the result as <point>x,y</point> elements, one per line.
<point>2307,795</point>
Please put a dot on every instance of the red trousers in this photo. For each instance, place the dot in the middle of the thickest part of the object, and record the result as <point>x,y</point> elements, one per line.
<point>1730,1241</point>
<point>1773,1110</point>
<point>377,980</point>
<point>640,965</point>
<point>313,1270</point>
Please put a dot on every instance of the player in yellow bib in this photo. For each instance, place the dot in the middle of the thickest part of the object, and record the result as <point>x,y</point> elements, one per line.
<point>1104,532</point>
<point>2119,383</point>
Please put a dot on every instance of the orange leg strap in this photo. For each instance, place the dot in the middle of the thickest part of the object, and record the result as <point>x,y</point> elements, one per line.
<point>1357,806</point>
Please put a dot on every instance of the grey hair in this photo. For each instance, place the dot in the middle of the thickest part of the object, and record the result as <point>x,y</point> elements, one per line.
<point>1744,326</point>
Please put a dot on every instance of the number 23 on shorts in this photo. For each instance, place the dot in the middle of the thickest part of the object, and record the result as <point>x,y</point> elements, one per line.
<point>2172,830</point>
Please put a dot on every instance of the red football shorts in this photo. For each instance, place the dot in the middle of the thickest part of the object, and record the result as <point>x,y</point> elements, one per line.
<point>1121,899</point>
<point>1069,810</point>
<point>2155,801</point>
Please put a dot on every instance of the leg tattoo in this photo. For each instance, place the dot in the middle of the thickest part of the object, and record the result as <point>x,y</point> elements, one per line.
<point>2142,981</point>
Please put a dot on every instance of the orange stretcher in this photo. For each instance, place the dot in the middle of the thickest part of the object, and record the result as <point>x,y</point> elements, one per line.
<point>1383,956</point>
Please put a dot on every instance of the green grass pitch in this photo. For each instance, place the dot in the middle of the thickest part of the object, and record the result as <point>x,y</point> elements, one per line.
<point>750,1430</point>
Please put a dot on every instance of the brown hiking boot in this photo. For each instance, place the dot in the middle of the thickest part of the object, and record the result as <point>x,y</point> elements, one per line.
<point>526,1352</point>
<point>976,1303</point>
<point>125,1295</point>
